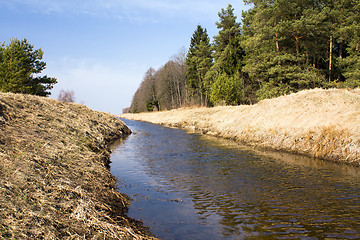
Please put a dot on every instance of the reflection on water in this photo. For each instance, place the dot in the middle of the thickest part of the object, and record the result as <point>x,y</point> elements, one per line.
<point>188,186</point>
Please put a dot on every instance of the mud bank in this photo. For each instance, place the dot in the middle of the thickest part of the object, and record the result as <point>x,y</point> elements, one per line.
<point>55,181</point>
<point>319,123</point>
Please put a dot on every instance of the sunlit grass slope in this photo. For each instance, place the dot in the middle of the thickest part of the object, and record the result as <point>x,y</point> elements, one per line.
<point>320,123</point>
<point>54,177</point>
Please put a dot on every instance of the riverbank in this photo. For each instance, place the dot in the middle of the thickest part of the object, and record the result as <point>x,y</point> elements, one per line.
<point>55,181</point>
<point>319,123</point>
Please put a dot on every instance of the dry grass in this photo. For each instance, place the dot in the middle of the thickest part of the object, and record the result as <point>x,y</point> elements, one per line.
<point>55,181</point>
<point>321,123</point>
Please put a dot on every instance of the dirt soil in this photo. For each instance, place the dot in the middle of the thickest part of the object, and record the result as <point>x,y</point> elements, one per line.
<point>55,181</point>
<point>319,123</point>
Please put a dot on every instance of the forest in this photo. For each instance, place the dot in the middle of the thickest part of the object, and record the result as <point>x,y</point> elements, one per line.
<point>279,47</point>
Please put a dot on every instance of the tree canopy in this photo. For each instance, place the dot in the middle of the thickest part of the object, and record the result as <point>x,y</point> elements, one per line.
<point>20,66</point>
<point>163,89</point>
<point>279,47</point>
<point>227,76</point>
<point>198,63</point>
<point>295,45</point>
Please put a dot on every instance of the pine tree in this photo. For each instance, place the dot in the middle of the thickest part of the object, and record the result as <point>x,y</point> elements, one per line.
<point>226,76</point>
<point>282,47</point>
<point>20,65</point>
<point>229,29</point>
<point>279,42</point>
<point>227,89</point>
<point>349,34</point>
<point>199,61</point>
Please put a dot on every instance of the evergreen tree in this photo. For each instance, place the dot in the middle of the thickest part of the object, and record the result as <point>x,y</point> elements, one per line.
<point>349,34</point>
<point>229,29</point>
<point>198,62</point>
<point>20,65</point>
<point>226,76</point>
<point>279,43</point>
<point>227,89</point>
<point>283,47</point>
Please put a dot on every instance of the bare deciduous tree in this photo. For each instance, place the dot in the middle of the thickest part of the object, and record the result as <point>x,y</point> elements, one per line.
<point>163,89</point>
<point>66,96</point>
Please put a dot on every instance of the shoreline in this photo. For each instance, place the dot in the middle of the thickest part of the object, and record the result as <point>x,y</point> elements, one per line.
<point>323,124</point>
<point>55,180</point>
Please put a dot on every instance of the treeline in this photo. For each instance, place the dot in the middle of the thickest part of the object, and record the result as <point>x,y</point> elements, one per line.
<point>280,47</point>
<point>164,88</point>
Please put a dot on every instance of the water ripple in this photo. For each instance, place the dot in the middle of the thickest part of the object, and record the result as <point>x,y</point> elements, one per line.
<point>188,186</point>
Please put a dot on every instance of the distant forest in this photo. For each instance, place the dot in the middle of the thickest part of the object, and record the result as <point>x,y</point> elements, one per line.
<point>280,47</point>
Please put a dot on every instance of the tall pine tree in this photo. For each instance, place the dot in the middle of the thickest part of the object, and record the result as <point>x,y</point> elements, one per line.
<point>199,61</point>
<point>226,75</point>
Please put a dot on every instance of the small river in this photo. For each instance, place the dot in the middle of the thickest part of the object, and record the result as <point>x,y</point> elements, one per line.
<point>190,186</point>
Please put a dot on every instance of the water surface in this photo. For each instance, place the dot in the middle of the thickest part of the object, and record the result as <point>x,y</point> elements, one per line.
<point>189,186</point>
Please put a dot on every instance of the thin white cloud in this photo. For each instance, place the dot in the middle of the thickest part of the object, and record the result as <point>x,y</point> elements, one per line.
<point>182,8</point>
<point>45,6</point>
<point>134,10</point>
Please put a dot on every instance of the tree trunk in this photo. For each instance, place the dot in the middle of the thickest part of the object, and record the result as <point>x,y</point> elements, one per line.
<point>341,55</point>
<point>172,105</point>
<point>307,56</point>
<point>179,91</point>
<point>277,42</point>
<point>314,62</point>
<point>297,49</point>
<point>201,90</point>
<point>331,57</point>
<point>277,45</point>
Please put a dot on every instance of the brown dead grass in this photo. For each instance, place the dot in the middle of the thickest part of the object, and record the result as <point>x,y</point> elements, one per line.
<point>55,181</point>
<point>321,123</point>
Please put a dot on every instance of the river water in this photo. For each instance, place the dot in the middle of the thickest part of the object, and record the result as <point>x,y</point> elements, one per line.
<point>190,186</point>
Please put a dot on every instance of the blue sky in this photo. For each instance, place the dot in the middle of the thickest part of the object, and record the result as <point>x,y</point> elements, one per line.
<point>101,49</point>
